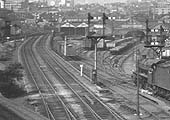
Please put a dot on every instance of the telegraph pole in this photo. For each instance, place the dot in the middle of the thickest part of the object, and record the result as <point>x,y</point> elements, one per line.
<point>95,62</point>
<point>104,23</point>
<point>147,31</point>
<point>65,46</point>
<point>137,70</point>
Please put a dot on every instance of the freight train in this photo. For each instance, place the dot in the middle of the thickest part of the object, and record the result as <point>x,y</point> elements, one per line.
<point>120,49</point>
<point>154,75</point>
<point>111,44</point>
<point>88,43</point>
<point>115,47</point>
<point>68,48</point>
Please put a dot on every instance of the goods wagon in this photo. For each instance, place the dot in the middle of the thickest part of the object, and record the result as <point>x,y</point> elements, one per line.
<point>117,50</point>
<point>69,51</point>
<point>110,44</point>
<point>122,48</point>
<point>157,77</point>
<point>120,41</point>
<point>89,44</point>
<point>114,43</point>
<point>160,79</point>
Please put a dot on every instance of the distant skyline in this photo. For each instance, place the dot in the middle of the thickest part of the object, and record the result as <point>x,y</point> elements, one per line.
<point>84,1</point>
<point>98,1</point>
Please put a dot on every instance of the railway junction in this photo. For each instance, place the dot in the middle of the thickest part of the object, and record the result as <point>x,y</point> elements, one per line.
<point>60,91</point>
<point>113,98</point>
<point>70,77</point>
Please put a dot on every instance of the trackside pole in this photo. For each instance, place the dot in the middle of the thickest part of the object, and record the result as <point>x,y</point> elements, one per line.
<point>65,46</point>
<point>81,70</point>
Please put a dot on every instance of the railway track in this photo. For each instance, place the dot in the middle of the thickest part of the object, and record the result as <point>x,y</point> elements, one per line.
<point>97,108</point>
<point>145,102</point>
<point>87,101</point>
<point>127,101</point>
<point>52,107</point>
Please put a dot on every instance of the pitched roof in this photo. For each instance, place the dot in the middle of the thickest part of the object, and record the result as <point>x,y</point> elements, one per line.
<point>83,25</point>
<point>68,25</point>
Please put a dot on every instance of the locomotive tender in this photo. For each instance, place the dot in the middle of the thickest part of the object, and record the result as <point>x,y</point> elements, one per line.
<point>154,75</point>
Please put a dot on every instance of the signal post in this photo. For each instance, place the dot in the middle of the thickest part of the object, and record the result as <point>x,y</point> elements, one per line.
<point>96,39</point>
<point>104,25</point>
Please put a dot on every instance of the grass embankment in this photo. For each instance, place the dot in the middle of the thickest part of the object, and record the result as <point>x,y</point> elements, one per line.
<point>11,76</point>
<point>10,81</point>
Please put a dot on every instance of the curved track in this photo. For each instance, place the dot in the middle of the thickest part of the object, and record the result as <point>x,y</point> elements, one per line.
<point>63,96</point>
<point>87,101</point>
<point>119,83</point>
<point>39,82</point>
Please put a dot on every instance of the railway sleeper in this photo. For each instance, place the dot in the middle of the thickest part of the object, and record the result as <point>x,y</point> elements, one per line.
<point>89,99</point>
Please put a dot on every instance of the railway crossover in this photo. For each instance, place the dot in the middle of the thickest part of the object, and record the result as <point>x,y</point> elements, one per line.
<point>62,96</point>
<point>65,97</point>
<point>118,82</point>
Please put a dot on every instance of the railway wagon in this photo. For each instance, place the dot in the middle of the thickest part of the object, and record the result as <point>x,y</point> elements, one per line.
<point>89,44</point>
<point>122,48</point>
<point>144,68</point>
<point>117,50</point>
<point>157,77</point>
<point>160,79</point>
<point>111,43</point>
<point>70,50</point>
<point>120,41</point>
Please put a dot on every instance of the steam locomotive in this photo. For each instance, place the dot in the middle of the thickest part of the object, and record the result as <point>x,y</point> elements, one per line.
<point>154,75</point>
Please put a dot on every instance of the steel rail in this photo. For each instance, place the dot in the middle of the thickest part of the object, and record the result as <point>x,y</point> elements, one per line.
<point>64,106</point>
<point>30,72</point>
<point>96,116</point>
<point>35,54</point>
<point>122,86</point>
<point>141,107</point>
<point>36,61</point>
<point>56,59</point>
